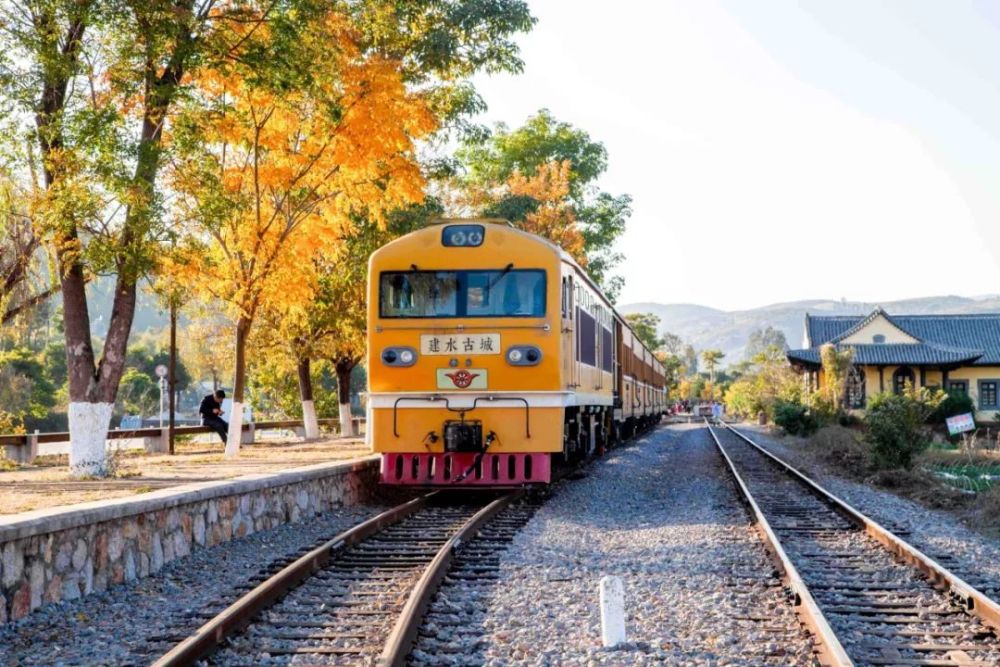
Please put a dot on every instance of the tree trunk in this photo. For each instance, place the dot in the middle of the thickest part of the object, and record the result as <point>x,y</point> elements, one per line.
<point>344,366</point>
<point>309,422</point>
<point>236,416</point>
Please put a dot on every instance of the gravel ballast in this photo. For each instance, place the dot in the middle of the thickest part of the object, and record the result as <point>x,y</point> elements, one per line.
<point>114,627</point>
<point>664,516</point>
<point>969,554</point>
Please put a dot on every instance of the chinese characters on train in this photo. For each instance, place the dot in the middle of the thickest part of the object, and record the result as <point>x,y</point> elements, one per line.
<point>460,344</point>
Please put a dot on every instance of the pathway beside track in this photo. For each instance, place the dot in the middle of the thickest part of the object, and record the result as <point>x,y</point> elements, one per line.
<point>874,593</point>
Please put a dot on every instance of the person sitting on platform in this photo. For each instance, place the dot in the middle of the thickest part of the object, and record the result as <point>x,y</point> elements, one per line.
<point>211,413</point>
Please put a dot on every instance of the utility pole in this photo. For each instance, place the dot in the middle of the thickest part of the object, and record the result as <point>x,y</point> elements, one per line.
<point>172,371</point>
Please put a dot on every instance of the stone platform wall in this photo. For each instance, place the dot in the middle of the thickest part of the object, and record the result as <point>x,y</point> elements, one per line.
<point>64,553</point>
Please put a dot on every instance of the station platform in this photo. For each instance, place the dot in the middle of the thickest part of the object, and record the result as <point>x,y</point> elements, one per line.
<point>46,483</point>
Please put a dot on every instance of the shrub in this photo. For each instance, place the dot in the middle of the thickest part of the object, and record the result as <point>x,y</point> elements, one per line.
<point>795,418</point>
<point>896,425</point>
<point>954,403</point>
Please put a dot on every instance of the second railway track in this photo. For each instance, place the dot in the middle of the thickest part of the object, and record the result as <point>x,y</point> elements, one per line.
<point>357,599</point>
<point>868,596</point>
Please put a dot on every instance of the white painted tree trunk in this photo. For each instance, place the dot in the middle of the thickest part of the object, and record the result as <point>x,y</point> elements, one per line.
<point>88,436</point>
<point>346,420</point>
<point>309,421</point>
<point>235,430</point>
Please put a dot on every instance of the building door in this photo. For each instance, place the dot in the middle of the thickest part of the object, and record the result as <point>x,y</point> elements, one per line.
<point>903,376</point>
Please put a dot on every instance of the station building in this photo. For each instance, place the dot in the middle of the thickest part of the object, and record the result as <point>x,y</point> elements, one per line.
<point>955,352</point>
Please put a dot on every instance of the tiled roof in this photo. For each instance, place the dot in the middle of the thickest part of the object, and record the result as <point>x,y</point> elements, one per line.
<point>896,353</point>
<point>945,339</point>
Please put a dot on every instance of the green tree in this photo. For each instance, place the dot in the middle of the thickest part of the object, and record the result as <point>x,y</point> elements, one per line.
<point>712,359</point>
<point>139,394</point>
<point>765,382</point>
<point>672,343</point>
<point>689,359</point>
<point>490,162</point>
<point>761,340</point>
<point>26,390</point>
<point>645,326</point>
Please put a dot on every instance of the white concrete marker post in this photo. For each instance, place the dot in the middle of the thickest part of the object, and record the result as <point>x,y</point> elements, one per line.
<point>612,611</point>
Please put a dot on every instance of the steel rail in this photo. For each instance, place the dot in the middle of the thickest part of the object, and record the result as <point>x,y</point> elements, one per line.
<point>974,601</point>
<point>831,651</point>
<point>400,641</point>
<point>239,614</point>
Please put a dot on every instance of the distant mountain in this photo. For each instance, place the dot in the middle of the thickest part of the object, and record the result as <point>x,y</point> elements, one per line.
<point>728,331</point>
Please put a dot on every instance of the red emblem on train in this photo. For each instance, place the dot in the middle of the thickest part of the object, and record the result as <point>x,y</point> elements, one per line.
<point>461,379</point>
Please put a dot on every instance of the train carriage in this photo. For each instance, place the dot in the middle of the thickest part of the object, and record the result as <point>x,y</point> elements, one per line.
<point>492,358</point>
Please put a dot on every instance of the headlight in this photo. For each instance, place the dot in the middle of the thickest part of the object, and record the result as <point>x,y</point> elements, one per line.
<point>399,356</point>
<point>524,355</point>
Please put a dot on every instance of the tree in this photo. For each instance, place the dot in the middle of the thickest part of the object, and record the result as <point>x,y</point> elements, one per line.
<point>766,381</point>
<point>93,86</point>
<point>26,389</point>
<point>763,339</point>
<point>285,169</point>
<point>645,326</point>
<point>22,284</point>
<point>690,360</point>
<point>832,395</point>
<point>496,164</point>
<point>672,343</point>
<point>712,359</point>
<point>205,349</point>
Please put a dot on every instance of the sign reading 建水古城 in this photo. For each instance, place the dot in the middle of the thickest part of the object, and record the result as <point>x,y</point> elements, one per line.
<point>459,344</point>
<point>960,424</point>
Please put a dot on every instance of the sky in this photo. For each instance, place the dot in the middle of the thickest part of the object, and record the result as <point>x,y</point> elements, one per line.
<point>782,150</point>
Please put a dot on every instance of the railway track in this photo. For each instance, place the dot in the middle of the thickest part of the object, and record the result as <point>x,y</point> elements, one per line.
<point>356,599</point>
<point>869,597</point>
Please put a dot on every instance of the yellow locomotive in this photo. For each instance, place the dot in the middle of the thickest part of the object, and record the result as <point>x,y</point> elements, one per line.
<point>492,357</point>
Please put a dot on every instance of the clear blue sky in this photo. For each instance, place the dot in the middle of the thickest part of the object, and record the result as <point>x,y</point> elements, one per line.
<point>779,150</point>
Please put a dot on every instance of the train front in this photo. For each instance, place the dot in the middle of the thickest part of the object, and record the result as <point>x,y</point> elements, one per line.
<point>464,357</point>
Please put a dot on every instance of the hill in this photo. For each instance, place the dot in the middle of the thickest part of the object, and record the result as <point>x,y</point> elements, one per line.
<point>728,331</point>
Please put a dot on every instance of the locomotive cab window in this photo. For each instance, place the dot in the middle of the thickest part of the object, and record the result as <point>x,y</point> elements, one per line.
<point>438,294</point>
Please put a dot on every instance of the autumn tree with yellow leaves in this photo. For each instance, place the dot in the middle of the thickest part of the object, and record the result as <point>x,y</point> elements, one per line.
<point>542,177</point>
<point>284,172</point>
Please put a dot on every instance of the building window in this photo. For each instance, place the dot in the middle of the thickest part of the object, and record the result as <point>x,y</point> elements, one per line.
<point>988,394</point>
<point>901,378</point>
<point>855,388</point>
<point>878,339</point>
<point>958,387</point>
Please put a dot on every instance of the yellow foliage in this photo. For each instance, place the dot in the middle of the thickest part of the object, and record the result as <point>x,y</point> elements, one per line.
<point>554,218</point>
<point>287,170</point>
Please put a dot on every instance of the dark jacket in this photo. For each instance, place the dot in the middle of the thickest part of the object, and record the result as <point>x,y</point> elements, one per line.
<point>208,406</point>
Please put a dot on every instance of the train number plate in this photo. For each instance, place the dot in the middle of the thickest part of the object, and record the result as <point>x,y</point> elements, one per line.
<point>460,344</point>
<point>461,378</point>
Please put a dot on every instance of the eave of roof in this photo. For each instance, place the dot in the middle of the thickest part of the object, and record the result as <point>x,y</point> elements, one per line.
<point>894,354</point>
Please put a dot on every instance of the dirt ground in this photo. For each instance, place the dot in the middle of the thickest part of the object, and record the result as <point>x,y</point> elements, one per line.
<point>46,483</point>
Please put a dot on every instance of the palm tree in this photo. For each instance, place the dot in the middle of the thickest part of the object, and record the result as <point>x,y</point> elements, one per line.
<point>712,359</point>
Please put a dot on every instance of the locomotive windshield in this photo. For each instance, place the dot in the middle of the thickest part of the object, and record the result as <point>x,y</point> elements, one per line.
<point>436,294</point>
